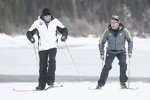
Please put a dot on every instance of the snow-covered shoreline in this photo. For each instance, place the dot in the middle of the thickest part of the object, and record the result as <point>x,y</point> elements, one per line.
<point>7,41</point>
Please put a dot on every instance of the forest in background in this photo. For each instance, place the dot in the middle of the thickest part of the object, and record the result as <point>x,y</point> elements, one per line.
<point>81,17</point>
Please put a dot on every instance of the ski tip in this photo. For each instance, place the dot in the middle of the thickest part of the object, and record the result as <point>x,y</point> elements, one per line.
<point>14,89</point>
<point>130,88</point>
<point>92,88</point>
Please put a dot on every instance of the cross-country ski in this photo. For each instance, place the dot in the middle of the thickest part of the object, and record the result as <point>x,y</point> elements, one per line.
<point>29,90</point>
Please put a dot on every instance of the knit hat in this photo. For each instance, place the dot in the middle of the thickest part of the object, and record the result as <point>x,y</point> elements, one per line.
<point>115,18</point>
<point>46,12</point>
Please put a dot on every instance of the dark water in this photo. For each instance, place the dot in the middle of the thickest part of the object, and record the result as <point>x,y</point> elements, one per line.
<point>33,78</point>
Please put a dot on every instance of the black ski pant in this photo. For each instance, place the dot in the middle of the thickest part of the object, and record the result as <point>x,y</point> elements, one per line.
<point>47,66</point>
<point>108,65</point>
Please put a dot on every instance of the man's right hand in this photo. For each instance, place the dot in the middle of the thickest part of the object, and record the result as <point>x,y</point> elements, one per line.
<point>102,56</point>
<point>32,40</point>
<point>63,38</point>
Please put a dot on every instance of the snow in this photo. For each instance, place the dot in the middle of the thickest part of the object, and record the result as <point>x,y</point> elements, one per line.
<point>18,58</point>
<point>75,91</point>
<point>21,41</point>
<point>84,51</point>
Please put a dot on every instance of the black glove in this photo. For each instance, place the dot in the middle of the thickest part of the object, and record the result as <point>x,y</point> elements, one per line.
<point>63,38</point>
<point>102,56</point>
<point>32,40</point>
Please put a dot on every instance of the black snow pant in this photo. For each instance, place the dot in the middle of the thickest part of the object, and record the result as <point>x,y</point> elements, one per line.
<point>108,65</point>
<point>47,66</point>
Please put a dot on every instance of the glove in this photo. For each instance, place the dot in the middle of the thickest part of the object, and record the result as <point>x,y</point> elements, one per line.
<point>129,55</point>
<point>102,56</point>
<point>32,40</point>
<point>63,38</point>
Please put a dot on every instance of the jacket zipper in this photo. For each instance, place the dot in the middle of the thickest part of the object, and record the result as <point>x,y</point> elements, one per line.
<point>115,43</point>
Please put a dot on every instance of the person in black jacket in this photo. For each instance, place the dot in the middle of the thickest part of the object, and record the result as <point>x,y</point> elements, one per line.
<point>46,27</point>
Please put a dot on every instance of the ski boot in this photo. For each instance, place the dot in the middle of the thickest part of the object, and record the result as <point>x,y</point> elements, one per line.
<point>50,84</point>
<point>99,86</point>
<point>123,85</point>
<point>39,88</point>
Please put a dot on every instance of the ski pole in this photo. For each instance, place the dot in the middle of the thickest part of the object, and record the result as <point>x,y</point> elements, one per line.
<point>73,61</point>
<point>35,54</point>
<point>129,74</point>
<point>102,63</point>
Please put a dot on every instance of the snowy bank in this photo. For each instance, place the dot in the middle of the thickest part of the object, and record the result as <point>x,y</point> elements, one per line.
<point>21,41</point>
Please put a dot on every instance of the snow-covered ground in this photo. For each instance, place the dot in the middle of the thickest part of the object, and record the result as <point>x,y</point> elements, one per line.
<point>17,57</point>
<point>75,91</point>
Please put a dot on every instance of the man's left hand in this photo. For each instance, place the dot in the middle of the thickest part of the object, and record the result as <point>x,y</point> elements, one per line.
<point>129,55</point>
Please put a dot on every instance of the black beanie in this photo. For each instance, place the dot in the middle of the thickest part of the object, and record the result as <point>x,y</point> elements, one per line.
<point>46,12</point>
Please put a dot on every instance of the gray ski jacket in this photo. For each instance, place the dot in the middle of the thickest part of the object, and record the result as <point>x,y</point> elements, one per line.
<point>116,43</point>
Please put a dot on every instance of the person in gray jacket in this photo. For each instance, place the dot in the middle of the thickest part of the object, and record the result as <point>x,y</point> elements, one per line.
<point>116,36</point>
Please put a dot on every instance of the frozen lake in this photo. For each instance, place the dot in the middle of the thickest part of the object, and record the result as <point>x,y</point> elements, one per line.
<point>22,61</point>
<point>19,70</point>
<point>18,60</point>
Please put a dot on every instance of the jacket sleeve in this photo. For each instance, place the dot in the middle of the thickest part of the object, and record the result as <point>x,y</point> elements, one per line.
<point>30,34</point>
<point>129,39</point>
<point>32,30</point>
<point>62,29</point>
<point>102,41</point>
